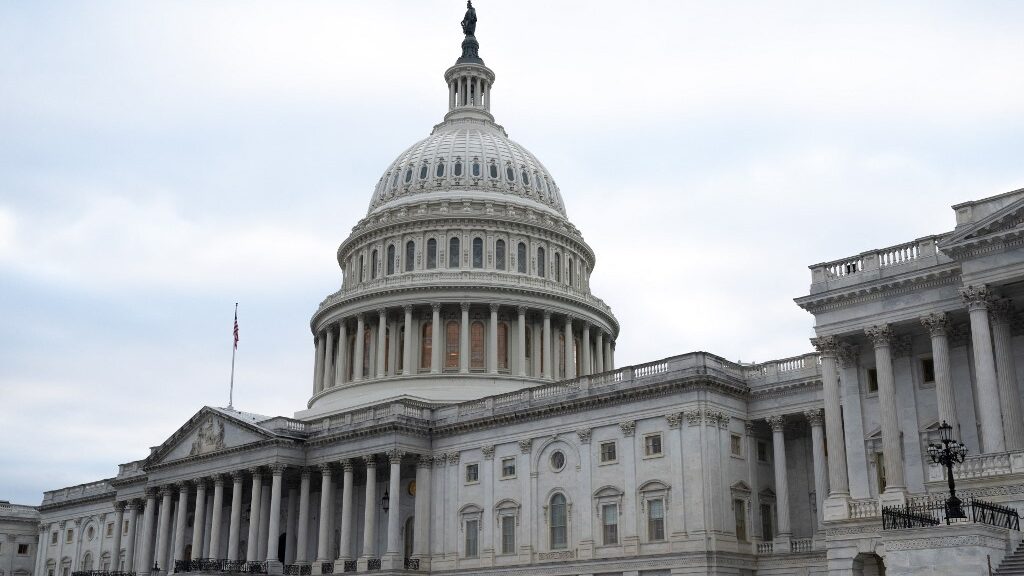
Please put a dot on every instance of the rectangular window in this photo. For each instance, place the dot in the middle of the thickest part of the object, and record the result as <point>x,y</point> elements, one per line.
<point>767,533</point>
<point>508,534</point>
<point>736,445</point>
<point>652,445</point>
<point>872,380</point>
<point>69,537</point>
<point>472,531</point>
<point>927,370</point>
<point>762,451</point>
<point>508,467</point>
<point>655,520</point>
<point>610,524</point>
<point>472,473</point>
<point>49,572</point>
<point>740,510</point>
<point>124,530</point>
<point>53,538</point>
<point>608,452</point>
<point>110,529</point>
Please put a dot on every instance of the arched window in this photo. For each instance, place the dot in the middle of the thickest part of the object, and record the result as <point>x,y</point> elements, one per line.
<point>572,276</point>
<point>373,265</point>
<point>394,181</point>
<point>361,266</point>
<point>478,253</point>
<point>526,178</point>
<point>499,254</point>
<point>477,360</point>
<point>541,268</point>
<point>493,170</point>
<point>408,175</point>
<point>453,253</point>
<point>457,169</point>
<point>367,346</point>
<point>510,173</point>
<point>451,345</point>
<point>424,171</point>
<point>391,259</point>
<point>503,346</point>
<point>476,168</point>
<point>431,254</point>
<point>559,522</point>
<point>440,169</point>
<point>426,345</point>
<point>521,257</point>
<point>410,255</point>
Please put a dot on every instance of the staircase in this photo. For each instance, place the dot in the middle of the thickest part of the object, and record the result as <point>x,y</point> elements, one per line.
<point>1013,564</point>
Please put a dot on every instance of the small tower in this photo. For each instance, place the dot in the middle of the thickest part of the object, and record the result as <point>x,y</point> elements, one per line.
<point>469,80</point>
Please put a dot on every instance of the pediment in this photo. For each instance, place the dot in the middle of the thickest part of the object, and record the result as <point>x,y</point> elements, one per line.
<point>210,431</point>
<point>1001,225</point>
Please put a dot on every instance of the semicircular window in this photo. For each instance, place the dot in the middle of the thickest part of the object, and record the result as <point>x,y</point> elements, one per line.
<point>510,174</point>
<point>423,171</point>
<point>457,169</point>
<point>494,170</point>
<point>440,170</point>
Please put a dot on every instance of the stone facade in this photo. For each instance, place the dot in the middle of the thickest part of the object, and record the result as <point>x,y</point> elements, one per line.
<point>19,539</point>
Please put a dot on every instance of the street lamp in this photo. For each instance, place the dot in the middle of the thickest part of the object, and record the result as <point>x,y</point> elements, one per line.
<point>385,501</point>
<point>947,454</point>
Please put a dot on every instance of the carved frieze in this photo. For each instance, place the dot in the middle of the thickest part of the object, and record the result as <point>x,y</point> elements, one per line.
<point>210,438</point>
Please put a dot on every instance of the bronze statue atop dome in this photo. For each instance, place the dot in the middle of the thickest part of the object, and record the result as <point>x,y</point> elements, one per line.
<point>469,20</point>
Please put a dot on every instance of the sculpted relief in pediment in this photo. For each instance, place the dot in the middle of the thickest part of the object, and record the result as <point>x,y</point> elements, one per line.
<point>210,438</point>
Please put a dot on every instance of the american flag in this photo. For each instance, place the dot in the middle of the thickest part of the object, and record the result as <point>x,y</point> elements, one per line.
<point>236,326</point>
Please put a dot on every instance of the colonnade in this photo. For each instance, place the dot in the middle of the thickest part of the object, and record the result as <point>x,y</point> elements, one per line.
<point>459,338</point>
<point>778,423</point>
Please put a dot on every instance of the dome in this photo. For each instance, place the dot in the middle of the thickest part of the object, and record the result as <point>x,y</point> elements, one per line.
<point>467,156</point>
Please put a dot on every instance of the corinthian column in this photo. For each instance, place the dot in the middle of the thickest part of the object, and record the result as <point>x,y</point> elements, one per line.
<point>547,348</point>
<point>394,550</point>
<point>570,354</point>
<point>407,367</point>
<point>370,514</point>
<point>421,532</point>
<point>341,364</point>
<point>302,528</point>
<point>235,528</point>
<point>938,326</point>
<point>880,337</point>
<point>199,519</point>
<point>273,538</point>
<point>492,341</point>
<point>115,553</point>
<point>328,378</point>
<point>382,339</point>
<point>148,519</point>
<point>252,551</point>
<point>599,352</point>
<point>345,545</point>
<point>521,341</point>
<point>179,527</point>
<point>318,366</point>
<point>1001,313</point>
<point>585,365</point>
<point>323,538</point>
<point>815,418</point>
<point>357,361</point>
<point>777,424</point>
<point>129,546</point>
<point>978,299</point>
<point>839,483</point>
<point>464,339</point>
<point>215,519</point>
<point>435,341</point>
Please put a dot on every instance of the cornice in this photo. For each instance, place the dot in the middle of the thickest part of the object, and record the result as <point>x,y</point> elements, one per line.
<point>784,389</point>
<point>878,289</point>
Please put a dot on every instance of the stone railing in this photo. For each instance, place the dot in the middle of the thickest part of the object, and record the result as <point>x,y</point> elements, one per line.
<point>874,263</point>
<point>801,545</point>
<point>981,466</point>
<point>130,469</point>
<point>765,547</point>
<point>786,369</point>
<point>18,511</point>
<point>865,508</point>
<point>77,492</point>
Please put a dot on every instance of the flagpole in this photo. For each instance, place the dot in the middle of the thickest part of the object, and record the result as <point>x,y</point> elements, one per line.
<point>234,349</point>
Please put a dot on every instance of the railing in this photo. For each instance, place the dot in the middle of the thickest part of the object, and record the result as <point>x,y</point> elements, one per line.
<point>327,567</point>
<point>765,547</point>
<point>349,566</point>
<point>650,369</point>
<point>412,563</point>
<point>994,515</point>
<point>844,267</point>
<point>801,545</point>
<point>976,466</point>
<point>101,573</point>
<point>898,254</point>
<point>867,508</point>
<point>373,564</point>
<point>923,514</point>
<point>920,249</point>
<point>220,565</point>
<point>298,569</point>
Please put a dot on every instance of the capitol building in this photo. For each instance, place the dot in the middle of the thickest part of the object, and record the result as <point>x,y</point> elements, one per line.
<point>466,414</point>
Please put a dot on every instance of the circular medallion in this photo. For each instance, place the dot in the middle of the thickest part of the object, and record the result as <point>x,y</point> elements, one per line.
<point>412,488</point>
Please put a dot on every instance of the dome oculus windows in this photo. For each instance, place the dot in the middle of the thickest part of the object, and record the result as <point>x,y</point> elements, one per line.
<point>557,460</point>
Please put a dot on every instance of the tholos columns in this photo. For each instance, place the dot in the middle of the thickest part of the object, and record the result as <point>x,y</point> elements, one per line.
<point>382,339</point>
<point>421,531</point>
<point>815,418</point>
<point>235,529</point>
<point>777,424</point>
<point>115,552</point>
<point>345,545</point>
<point>370,514</point>
<point>326,487</point>
<point>938,327</point>
<point>464,339</point>
<point>407,366</point>
<point>215,519</point>
<point>1001,313</point>
<point>274,534</point>
<point>836,507</point>
<point>357,361</point>
<point>547,348</point>
<point>599,352</point>
<point>895,489</point>
<point>570,354</point>
<point>328,363</point>
<point>492,341</point>
<point>586,368</point>
<point>978,299</point>
<point>394,551</point>
<point>318,366</point>
<point>199,519</point>
<point>341,365</point>
<point>435,339</point>
<point>521,341</point>
<point>252,553</point>
<point>302,528</point>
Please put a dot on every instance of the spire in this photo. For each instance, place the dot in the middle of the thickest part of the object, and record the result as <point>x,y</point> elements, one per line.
<point>469,80</point>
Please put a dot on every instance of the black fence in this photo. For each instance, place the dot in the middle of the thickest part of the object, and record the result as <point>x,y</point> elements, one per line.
<point>373,564</point>
<point>218,565</point>
<point>936,512</point>
<point>349,566</point>
<point>412,563</point>
<point>299,569</point>
<point>101,573</point>
<point>327,567</point>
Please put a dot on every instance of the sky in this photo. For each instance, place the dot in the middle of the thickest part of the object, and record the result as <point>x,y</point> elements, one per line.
<point>160,161</point>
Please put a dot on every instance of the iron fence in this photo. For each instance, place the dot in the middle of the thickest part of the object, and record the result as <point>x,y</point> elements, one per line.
<point>349,566</point>
<point>936,512</point>
<point>412,563</point>
<point>373,564</point>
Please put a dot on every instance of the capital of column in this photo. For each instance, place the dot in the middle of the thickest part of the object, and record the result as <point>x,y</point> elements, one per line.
<point>826,345</point>
<point>938,324</point>
<point>525,445</point>
<point>627,427</point>
<point>238,476</point>
<point>464,306</point>
<point>256,472</point>
<point>435,306</point>
<point>325,469</point>
<point>119,506</point>
<point>880,335</point>
<point>370,460</point>
<point>382,313</point>
<point>277,468</point>
<point>424,461</point>
<point>847,355</point>
<point>674,419</point>
<point>134,504</point>
<point>201,483</point>
<point>218,480</point>
<point>748,426</point>
<point>43,528</point>
<point>976,297</point>
<point>407,308</point>
<point>395,456</point>
<point>1001,311</point>
<point>488,450</point>
<point>347,465</point>
<point>152,492</point>
<point>815,416</point>
<point>453,458</point>
<point>777,422</point>
<point>547,314</point>
<point>521,310</point>
<point>584,435</point>
<point>494,307</point>
<point>183,486</point>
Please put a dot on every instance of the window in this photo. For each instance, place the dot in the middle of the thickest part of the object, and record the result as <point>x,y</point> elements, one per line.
<point>408,175</point>
<point>736,445</point>
<point>526,177</point>
<point>457,169</point>
<point>423,171</point>
<point>872,380</point>
<point>362,265</point>
<point>499,254</point>
<point>540,263</point>
<point>426,345</point>
<point>451,345</point>
<point>521,258</point>
<point>69,537</point>
<point>373,265</point>
<point>440,170</point>
<point>431,254</point>
<point>740,511</point>
<point>125,528</point>
<point>476,346</point>
<point>53,538</point>
<point>508,534</point>
<point>508,467</point>
<point>572,280</point>
<point>655,520</point>
<point>529,349</point>
<point>493,170</point>
<point>110,529</point>
<point>410,255</point>
<point>927,370</point>
<point>478,253</point>
<point>880,472</point>
<point>472,533</point>
<point>367,345</point>
<point>652,445</point>
<point>608,452</point>
<point>767,531</point>
<point>472,473</point>
<point>453,253</point>
<point>558,522</point>
<point>23,549</point>
<point>762,451</point>
<point>610,524</point>
<point>560,353</point>
<point>510,174</point>
<point>557,460</point>
<point>391,259</point>
<point>394,181</point>
<point>401,348</point>
<point>503,346</point>
<point>558,267</point>
<point>476,169</point>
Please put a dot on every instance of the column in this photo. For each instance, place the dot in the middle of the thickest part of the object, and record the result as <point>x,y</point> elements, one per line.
<point>609,354</point>
<point>587,370</point>
<point>302,530</point>
<point>978,299</point>
<point>421,530</point>
<point>407,345</point>
<point>464,339</point>
<point>199,519</point>
<point>129,546</point>
<point>323,538</point>
<point>815,418</point>
<point>521,344</point>
<point>880,337</point>
<point>451,95</point>
<point>40,565</point>
<point>570,353</point>
<point>256,496</point>
<point>1006,373</point>
<point>435,344</point>
<point>777,424</point>
<point>839,483</point>
<point>179,527</point>
<point>599,352</point>
<point>938,326</point>
<point>115,549</point>
<point>394,550</point>
<point>215,520</point>
<point>236,514</point>
<point>291,522</point>
<point>357,360</point>
<point>274,534</point>
<point>318,366</point>
<point>546,353</point>
<point>370,514</point>
<point>341,364</point>
<point>148,518</point>
<point>382,337</point>
<point>347,512</point>
<point>492,341</point>
<point>328,377</point>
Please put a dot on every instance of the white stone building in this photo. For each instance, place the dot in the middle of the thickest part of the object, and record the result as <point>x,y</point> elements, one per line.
<point>18,531</point>
<point>467,417</point>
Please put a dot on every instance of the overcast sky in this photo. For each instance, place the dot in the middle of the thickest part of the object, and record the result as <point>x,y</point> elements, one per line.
<point>160,161</point>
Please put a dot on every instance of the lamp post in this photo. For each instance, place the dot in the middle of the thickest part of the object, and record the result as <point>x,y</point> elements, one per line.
<point>946,454</point>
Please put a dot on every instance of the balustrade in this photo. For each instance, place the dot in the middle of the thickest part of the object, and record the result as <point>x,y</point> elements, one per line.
<point>765,547</point>
<point>865,508</point>
<point>801,545</point>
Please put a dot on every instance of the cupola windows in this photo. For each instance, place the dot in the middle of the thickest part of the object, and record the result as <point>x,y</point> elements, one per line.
<point>424,171</point>
<point>521,258</point>
<point>499,255</point>
<point>457,169</point>
<point>410,255</point>
<point>453,253</point>
<point>510,174</point>
<point>493,170</point>
<point>408,174</point>
<point>476,168</point>
<point>431,254</point>
<point>478,253</point>
<point>526,178</point>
